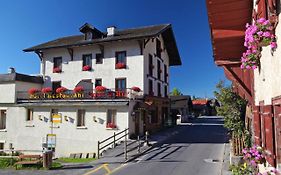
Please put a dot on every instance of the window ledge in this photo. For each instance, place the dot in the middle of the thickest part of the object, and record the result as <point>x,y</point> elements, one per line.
<point>111,128</point>
<point>3,130</point>
<point>81,127</point>
<point>30,125</point>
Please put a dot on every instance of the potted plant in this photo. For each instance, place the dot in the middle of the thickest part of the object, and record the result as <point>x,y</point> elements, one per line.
<point>46,90</point>
<point>61,90</point>
<point>120,66</point>
<point>87,68</point>
<point>111,125</point>
<point>78,89</point>
<point>33,91</point>
<point>136,89</point>
<point>57,70</point>
<point>100,88</point>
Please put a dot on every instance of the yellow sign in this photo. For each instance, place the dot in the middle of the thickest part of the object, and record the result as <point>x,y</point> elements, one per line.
<point>56,118</point>
<point>56,96</point>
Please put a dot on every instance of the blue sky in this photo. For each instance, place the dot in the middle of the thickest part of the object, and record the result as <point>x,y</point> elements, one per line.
<point>30,22</point>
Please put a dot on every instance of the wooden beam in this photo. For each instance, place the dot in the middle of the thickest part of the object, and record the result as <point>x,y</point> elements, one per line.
<point>141,46</point>
<point>70,51</point>
<point>145,42</point>
<point>227,62</point>
<point>40,54</point>
<point>219,33</point>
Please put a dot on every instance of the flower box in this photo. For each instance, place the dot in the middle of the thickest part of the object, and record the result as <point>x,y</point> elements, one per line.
<point>100,88</point>
<point>46,90</point>
<point>61,90</point>
<point>33,91</point>
<point>111,125</point>
<point>87,68</point>
<point>57,70</point>
<point>78,89</point>
<point>136,89</point>
<point>120,66</point>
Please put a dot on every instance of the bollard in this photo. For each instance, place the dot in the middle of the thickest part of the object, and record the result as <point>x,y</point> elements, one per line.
<point>146,138</point>
<point>114,135</point>
<point>98,156</point>
<point>138,144</point>
<point>125,146</point>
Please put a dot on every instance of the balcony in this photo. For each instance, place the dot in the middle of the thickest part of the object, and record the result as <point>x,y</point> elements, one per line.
<point>69,95</point>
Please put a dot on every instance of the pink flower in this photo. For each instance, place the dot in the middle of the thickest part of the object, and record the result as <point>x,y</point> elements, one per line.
<point>261,20</point>
<point>273,45</point>
<point>266,34</point>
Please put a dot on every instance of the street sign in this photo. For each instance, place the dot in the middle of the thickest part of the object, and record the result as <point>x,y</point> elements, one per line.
<point>56,118</point>
<point>51,140</point>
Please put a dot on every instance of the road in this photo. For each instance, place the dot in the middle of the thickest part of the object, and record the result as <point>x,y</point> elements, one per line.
<point>197,149</point>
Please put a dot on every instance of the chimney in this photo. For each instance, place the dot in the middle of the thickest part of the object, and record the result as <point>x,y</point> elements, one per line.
<point>11,70</point>
<point>111,31</point>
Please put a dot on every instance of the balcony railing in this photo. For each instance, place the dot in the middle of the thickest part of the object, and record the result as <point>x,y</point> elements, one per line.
<point>86,94</point>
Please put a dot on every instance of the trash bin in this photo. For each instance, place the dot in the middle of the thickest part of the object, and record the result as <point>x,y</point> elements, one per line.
<point>47,159</point>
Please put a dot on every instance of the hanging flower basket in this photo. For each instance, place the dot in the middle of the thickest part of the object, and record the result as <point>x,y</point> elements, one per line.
<point>120,66</point>
<point>46,90</point>
<point>136,89</point>
<point>61,90</point>
<point>33,91</point>
<point>111,125</point>
<point>57,70</point>
<point>78,89</point>
<point>87,68</point>
<point>100,88</point>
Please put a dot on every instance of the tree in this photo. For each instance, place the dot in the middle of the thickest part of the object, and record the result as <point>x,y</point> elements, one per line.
<point>176,92</point>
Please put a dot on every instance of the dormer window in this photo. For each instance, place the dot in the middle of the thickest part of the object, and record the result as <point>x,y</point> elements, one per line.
<point>89,36</point>
<point>90,32</point>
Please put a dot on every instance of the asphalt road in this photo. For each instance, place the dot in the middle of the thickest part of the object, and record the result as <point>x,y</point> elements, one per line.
<point>197,149</point>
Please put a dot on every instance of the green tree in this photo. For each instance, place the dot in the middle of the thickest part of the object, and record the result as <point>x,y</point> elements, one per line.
<point>176,92</point>
<point>232,108</point>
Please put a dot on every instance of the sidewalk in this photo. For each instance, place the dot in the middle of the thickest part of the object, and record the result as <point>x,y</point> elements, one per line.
<point>226,160</point>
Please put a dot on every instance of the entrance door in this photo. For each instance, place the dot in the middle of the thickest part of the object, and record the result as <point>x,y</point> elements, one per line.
<point>137,123</point>
<point>277,118</point>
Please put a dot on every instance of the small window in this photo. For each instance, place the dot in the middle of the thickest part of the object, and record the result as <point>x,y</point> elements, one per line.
<point>53,111</point>
<point>29,116</point>
<point>159,71</point>
<point>99,58</point>
<point>150,87</point>
<point>98,82</point>
<point>87,60</point>
<point>111,117</point>
<point>1,146</point>
<point>81,117</point>
<point>158,48</point>
<point>150,59</point>
<point>55,85</point>
<point>120,57</point>
<point>120,84</point>
<point>57,67</point>
<point>3,119</point>
<point>159,89</point>
<point>89,35</point>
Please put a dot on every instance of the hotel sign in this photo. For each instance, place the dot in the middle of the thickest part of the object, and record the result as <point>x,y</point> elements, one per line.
<point>57,96</point>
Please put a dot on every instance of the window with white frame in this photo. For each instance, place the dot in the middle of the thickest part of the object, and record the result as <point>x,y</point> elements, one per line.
<point>80,117</point>
<point>3,119</point>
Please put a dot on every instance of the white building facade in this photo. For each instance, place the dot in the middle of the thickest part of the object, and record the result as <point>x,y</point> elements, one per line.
<point>89,87</point>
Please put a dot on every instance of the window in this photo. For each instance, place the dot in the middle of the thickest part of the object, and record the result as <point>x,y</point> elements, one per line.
<point>87,60</point>
<point>80,117</point>
<point>158,48</point>
<point>150,87</point>
<point>29,116</point>
<point>150,59</point>
<point>55,85</point>
<point>159,89</point>
<point>159,69</point>
<point>98,82</point>
<point>166,91</point>
<point>120,84</point>
<point>120,57</point>
<point>99,58</point>
<point>57,67</point>
<point>3,119</point>
<point>89,36</point>
<point>1,146</point>
<point>111,117</point>
<point>53,111</point>
<point>165,73</point>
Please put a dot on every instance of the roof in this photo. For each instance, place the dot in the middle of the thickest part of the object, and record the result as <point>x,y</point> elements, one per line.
<point>126,34</point>
<point>180,101</point>
<point>200,102</point>
<point>12,77</point>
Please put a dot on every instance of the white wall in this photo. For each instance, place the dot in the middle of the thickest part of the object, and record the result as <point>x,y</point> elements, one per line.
<point>72,70</point>
<point>150,48</point>
<point>7,94</point>
<point>28,135</point>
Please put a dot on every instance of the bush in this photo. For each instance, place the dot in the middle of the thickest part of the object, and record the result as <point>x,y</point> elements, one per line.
<point>7,162</point>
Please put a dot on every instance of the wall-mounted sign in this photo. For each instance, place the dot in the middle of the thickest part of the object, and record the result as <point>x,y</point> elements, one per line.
<point>56,118</point>
<point>57,96</point>
<point>51,140</point>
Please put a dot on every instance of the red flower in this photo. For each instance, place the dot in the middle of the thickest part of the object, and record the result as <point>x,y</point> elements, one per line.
<point>46,90</point>
<point>100,88</point>
<point>57,70</point>
<point>86,68</point>
<point>136,89</point>
<point>111,125</point>
<point>78,89</point>
<point>32,91</point>
<point>120,66</point>
<point>61,90</point>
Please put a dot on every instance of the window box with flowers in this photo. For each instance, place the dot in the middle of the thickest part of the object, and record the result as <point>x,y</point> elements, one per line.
<point>120,66</point>
<point>136,89</point>
<point>57,70</point>
<point>100,89</point>
<point>46,90</point>
<point>33,91</point>
<point>111,126</point>
<point>87,68</point>
<point>78,89</point>
<point>61,90</point>
<point>259,34</point>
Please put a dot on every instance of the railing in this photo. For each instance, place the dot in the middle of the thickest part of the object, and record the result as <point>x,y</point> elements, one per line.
<point>86,94</point>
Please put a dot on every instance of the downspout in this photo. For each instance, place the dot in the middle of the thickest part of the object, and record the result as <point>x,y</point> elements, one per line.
<point>42,64</point>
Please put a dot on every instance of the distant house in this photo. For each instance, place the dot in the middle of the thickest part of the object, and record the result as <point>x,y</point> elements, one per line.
<point>181,105</point>
<point>204,107</point>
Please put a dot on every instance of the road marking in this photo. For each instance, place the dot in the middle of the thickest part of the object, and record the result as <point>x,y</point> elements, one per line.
<point>116,169</point>
<point>100,167</point>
